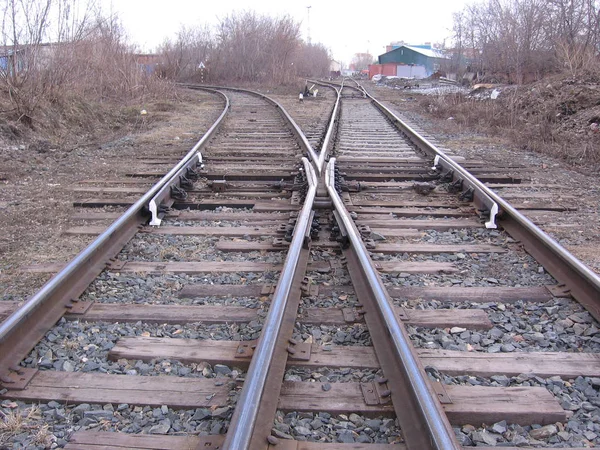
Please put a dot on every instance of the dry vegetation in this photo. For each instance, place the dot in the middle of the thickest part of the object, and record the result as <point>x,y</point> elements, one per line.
<point>244,47</point>
<point>26,421</point>
<point>67,73</point>
<point>559,116</point>
<point>549,50</point>
<point>523,40</point>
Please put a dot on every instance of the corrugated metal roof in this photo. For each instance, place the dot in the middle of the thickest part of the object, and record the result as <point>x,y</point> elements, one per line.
<point>427,52</point>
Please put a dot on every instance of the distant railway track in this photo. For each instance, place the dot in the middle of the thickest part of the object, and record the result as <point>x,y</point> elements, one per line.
<point>306,293</point>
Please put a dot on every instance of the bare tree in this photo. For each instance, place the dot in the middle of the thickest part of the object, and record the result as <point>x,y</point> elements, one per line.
<point>361,61</point>
<point>57,50</point>
<point>312,60</point>
<point>181,59</point>
<point>520,40</point>
<point>244,47</point>
<point>283,43</point>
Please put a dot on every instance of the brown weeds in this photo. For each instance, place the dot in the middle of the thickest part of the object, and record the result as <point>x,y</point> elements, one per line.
<point>17,422</point>
<point>557,116</point>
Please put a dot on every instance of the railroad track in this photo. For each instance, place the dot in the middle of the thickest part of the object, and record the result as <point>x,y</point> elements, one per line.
<point>368,301</point>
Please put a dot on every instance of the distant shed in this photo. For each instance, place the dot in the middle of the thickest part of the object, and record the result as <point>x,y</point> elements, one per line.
<point>413,62</point>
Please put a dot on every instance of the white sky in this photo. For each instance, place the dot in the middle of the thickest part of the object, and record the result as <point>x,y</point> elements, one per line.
<point>364,27</point>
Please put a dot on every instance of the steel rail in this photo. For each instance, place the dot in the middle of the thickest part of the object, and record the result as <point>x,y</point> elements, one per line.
<point>441,434</point>
<point>165,191</point>
<point>91,253</point>
<point>242,423</point>
<point>323,153</point>
<point>582,282</point>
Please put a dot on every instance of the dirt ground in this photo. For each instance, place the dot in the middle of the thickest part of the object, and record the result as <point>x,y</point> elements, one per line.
<point>570,186</point>
<point>36,183</point>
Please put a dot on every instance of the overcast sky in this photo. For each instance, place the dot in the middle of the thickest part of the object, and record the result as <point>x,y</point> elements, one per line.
<point>343,28</point>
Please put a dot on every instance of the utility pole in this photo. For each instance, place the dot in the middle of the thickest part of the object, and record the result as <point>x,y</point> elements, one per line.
<point>308,21</point>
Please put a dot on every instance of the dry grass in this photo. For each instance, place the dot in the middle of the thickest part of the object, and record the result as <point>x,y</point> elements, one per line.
<point>17,422</point>
<point>78,87</point>
<point>557,116</point>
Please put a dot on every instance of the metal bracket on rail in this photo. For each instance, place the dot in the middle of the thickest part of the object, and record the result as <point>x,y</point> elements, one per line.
<point>246,349</point>
<point>308,233</point>
<point>192,174</point>
<point>441,393</point>
<point>376,392</point>
<point>297,351</point>
<point>470,191</point>
<point>77,307</point>
<point>339,231</point>
<point>178,192</point>
<point>174,189</point>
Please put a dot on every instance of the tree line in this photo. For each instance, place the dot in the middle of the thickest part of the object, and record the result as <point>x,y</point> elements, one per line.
<point>522,40</point>
<point>243,47</point>
<point>54,51</point>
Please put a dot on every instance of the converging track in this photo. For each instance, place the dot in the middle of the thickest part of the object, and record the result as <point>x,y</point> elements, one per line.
<point>368,293</point>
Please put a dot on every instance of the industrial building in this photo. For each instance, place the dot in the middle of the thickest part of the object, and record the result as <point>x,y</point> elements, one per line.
<point>408,61</point>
